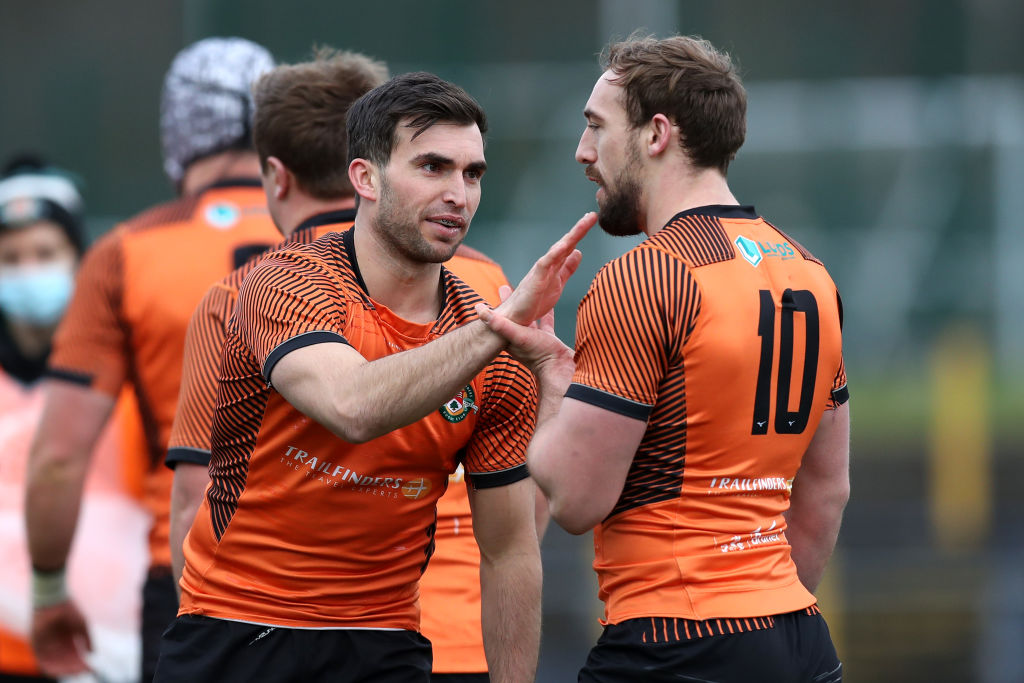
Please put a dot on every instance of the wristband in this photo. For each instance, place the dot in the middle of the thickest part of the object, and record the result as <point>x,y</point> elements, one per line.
<point>48,588</point>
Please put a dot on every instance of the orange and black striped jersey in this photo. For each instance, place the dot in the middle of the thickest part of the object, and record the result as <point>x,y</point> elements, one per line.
<point>300,528</point>
<point>450,588</point>
<point>134,294</point>
<point>725,336</point>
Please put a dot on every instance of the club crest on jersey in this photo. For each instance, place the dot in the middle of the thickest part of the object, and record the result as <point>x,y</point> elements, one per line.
<point>748,250</point>
<point>457,408</point>
<point>222,215</point>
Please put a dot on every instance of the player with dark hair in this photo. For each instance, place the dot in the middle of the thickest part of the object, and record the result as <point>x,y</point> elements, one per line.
<point>135,292</point>
<point>703,430</point>
<point>354,381</point>
<point>300,136</point>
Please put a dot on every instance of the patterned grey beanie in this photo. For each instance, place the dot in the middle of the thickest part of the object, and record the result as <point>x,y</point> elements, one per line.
<point>206,105</point>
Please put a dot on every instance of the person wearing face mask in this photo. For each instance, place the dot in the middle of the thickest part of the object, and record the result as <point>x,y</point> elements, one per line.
<point>40,247</point>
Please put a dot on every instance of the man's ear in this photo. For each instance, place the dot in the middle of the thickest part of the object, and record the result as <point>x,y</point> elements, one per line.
<point>278,178</point>
<point>660,133</point>
<point>365,179</point>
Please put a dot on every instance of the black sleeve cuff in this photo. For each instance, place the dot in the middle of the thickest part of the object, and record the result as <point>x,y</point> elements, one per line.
<point>196,456</point>
<point>602,399</point>
<point>490,480</point>
<point>302,340</point>
<point>80,378</point>
<point>841,395</point>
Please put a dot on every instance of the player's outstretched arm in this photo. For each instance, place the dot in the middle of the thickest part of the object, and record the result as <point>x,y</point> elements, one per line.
<point>73,417</point>
<point>580,454</point>
<point>820,492</point>
<point>510,579</point>
<point>360,400</point>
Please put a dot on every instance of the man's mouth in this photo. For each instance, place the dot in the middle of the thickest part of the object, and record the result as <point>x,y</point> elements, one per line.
<point>453,222</point>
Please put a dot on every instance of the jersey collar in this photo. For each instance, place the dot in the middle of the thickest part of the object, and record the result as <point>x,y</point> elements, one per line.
<point>720,211</point>
<point>328,218</point>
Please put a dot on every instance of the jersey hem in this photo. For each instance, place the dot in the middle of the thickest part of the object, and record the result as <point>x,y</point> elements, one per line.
<point>490,480</point>
<point>841,395</point>
<point>81,378</point>
<point>610,402</point>
<point>295,343</point>
<point>196,456</point>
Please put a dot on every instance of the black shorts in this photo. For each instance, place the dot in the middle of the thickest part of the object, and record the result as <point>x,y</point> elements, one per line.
<point>159,607</point>
<point>788,648</point>
<point>460,678</point>
<point>198,649</point>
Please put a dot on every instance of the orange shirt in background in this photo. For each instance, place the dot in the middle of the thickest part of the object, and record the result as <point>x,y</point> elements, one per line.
<point>135,292</point>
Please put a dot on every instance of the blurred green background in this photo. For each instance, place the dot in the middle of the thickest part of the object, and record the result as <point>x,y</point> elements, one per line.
<point>886,137</point>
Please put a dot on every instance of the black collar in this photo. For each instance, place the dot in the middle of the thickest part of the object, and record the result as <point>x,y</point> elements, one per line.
<point>348,240</point>
<point>719,211</point>
<point>328,218</point>
<point>230,182</point>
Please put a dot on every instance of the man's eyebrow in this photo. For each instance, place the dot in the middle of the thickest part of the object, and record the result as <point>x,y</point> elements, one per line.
<point>441,160</point>
<point>590,114</point>
<point>432,158</point>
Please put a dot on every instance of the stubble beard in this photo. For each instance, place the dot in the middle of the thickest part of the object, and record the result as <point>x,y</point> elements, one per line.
<point>619,213</point>
<point>400,230</point>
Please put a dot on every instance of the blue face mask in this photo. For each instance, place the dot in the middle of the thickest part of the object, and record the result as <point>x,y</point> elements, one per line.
<point>36,295</point>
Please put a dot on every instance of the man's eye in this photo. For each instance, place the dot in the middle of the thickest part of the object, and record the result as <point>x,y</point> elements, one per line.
<point>474,175</point>
<point>431,167</point>
<point>592,126</point>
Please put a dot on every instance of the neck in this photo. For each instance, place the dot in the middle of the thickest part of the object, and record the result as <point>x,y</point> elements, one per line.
<point>299,209</point>
<point>236,163</point>
<point>671,190</point>
<point>410,289</point>
<point>32,340</point>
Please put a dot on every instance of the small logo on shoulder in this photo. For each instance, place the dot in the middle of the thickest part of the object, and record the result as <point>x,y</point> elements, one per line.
<point>748,250</point>
<point>222,215</point>
<point>459,406</point>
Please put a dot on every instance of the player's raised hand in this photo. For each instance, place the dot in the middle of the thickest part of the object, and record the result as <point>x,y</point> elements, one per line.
<point>540,289</point>
<point>535,345</point>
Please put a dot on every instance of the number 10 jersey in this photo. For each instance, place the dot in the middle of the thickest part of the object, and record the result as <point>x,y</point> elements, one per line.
<point>725,336</point>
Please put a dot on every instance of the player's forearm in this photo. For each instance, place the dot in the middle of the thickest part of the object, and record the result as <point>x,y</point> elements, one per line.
<point>397,390</point>
<point>186,496</point>
<point>812,531</point>
<point>73,417</point>
<point>53,494</point>
<point>511,596</point>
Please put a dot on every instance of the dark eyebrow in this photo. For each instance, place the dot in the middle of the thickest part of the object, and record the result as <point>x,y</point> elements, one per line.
<point>432,158</point>
<point>441,160</point>
<point>589,113</point>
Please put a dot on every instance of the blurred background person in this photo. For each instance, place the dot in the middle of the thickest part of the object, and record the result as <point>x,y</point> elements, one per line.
<point>135,293</point>
<point>41,242</point>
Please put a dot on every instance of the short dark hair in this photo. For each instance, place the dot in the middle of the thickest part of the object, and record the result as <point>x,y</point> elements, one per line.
<point>695,85</point>
<point>300,117</point>
<point>422,98</point>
